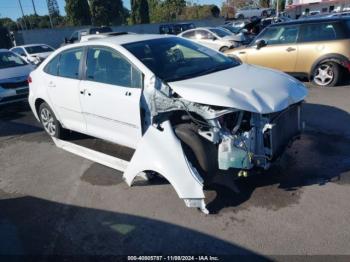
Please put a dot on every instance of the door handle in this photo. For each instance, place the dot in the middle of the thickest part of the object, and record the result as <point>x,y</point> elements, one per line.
<point>51,84</point>
<point>127,93</point>
<point>241,53</point>
<point>290,49</point>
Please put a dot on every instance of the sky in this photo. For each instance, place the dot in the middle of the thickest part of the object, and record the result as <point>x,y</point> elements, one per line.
<point>10,8</point>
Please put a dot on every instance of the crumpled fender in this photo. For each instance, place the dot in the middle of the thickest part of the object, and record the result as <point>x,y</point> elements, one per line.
<point>161,151</point>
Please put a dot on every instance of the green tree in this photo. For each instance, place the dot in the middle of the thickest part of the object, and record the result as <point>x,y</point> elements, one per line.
<point>9,24</point>
<point>281,5</point>
<point>139,12</point>
<point>78,12</point>
<point>264,3</point>
<point>107,12</point>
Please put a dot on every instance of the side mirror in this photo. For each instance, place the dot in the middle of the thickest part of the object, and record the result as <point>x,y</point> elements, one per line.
<point>66,40</point>
<point>261,43</point>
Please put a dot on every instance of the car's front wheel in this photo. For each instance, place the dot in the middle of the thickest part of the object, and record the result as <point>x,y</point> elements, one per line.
<point>49,121</point>
<point>326,74</point>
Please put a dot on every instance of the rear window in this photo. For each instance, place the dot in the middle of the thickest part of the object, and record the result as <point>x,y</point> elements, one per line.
<point>323,32</point>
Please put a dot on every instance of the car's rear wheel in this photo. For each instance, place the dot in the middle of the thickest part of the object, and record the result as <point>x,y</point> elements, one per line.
<point>49,121</point>
<point>326,74</point>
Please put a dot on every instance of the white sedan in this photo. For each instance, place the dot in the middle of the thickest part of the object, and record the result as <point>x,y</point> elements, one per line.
<point>187,112</point>
<point>34,53</point>
<point>213,37</point>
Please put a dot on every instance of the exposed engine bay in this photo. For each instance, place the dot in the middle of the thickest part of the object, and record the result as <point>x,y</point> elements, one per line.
<point>243,140</point>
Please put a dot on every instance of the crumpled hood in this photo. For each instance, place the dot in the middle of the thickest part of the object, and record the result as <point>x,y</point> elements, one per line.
<point>245,87</point>
<point>14,72</point>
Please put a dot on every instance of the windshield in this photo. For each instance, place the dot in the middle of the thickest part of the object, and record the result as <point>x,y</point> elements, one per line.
<point>8,59</point>
<point>220,32</point>
<point>173,58</point>
<point>38,49</point>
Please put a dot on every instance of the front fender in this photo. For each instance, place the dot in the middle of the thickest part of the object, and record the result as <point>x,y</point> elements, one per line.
<point>161,151</point>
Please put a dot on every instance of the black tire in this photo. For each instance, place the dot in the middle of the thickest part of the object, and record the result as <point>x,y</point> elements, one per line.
<point>223,49</point>
<point>50,122</point>
<point>333,71</point>
<point>201,153</point>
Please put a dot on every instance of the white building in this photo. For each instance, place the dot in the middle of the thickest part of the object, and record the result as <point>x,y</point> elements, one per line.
<point>296,8</point>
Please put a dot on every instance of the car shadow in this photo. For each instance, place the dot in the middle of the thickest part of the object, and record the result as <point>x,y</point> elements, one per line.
<point>321,156</point>
<point>17,119</point>
<point>42,228</point>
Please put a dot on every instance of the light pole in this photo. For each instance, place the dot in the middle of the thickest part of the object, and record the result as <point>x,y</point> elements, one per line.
<point>34,8</point>
<point>24,21</point>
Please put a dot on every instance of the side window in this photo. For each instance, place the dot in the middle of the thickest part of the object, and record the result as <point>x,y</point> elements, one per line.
<point>108,66</point>
<point>320,32</point>
<point>69,63</point>
<point>189,35</point>
<point>203,34</point>
<point>52,67</point>
<point>279,35</point>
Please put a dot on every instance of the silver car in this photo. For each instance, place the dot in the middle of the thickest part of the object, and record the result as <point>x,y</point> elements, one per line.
<point>14,72</point>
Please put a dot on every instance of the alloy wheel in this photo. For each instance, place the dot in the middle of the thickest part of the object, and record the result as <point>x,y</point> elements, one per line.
<point>324,74</point>
<point>48,121</point>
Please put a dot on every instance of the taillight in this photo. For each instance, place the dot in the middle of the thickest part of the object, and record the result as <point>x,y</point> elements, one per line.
<point>29,80</point>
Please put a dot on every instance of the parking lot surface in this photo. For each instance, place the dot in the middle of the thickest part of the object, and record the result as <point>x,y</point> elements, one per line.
<point>53,202</point>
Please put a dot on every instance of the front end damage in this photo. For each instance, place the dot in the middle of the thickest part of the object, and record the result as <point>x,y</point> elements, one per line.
<point>243,141</point>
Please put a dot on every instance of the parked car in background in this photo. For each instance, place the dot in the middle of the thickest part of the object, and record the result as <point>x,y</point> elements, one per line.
<point>14,73</point>
<point>175,29</point>
<point>317,49</point>
<point>185,111</point>
<point>76,35</point>
<point>35,53</point>
<point>245,36</point>
<point>250,11</point>
<point>212,37</point>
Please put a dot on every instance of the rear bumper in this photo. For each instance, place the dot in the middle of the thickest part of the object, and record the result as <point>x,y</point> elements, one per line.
<point>8,96</point>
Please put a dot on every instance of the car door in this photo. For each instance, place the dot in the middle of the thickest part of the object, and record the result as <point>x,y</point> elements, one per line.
<point>62,81</point>
<point>110,96</point>
<point>281,49</point>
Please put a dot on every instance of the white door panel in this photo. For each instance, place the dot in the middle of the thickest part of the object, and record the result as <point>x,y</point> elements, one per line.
<point>112,112</point>
<point>64,94</point>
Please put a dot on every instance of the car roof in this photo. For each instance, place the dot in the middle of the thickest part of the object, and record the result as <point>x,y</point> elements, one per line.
<point>124,39</point>
<point>28,45</point>
<point>311,21</point>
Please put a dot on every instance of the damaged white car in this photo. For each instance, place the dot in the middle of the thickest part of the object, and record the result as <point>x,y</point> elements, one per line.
<point>186,112</point>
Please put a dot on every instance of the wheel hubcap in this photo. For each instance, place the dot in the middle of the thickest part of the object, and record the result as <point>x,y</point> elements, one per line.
<point>324,75</point>
<point>48,121</point>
